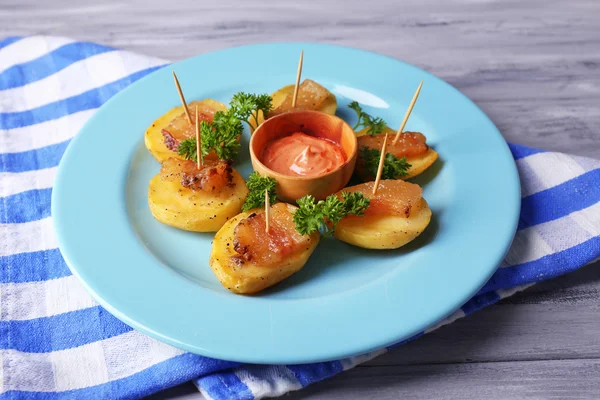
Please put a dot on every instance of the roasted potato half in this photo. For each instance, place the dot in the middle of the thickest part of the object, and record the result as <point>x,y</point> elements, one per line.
<point>154,139</point>
<point>383,232</point>
<point>328,106</point>
<point>249,277</point>
<point>396,215</point>
<point>195,210</point>
<point>418,164</point>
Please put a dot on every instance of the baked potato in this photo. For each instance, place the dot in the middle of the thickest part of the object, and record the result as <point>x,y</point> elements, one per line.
<point>251,260</point>
<point>175,201</point>
<point>418,163</point>
<point>309,92</point>
<point>154,138</point>
<point>397,214</point>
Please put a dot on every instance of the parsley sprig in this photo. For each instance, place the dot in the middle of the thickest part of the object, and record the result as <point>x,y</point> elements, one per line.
<point>324,215</point>
<point>246,105</point>
<point>187,149</point>
<point>374,125</point>
<point>393,167</point>
<point>223,138</point>
<point>220,136</point>
<point>257,185</point>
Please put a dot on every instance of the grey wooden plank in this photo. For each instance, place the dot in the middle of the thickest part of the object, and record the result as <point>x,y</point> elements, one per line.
<point>182,392</point>
<point>555,379</point>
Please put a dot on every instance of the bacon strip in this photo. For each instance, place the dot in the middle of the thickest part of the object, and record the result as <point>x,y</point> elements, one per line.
<point>214,176</point>
<point>410,144</point>
<point>180,128</point>
<point>253,244</point>
<point>310,96</point>
<point>394,197</point>
<point>170,141</point>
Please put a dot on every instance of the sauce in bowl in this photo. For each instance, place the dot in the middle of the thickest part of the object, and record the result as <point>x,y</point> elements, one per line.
<point>306,152</point>
<point>300,154</point>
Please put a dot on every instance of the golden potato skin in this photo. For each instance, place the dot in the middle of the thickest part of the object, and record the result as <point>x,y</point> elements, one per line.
<point>250,278</point>
<point>329,105</point>
<point>197,211</point>
<point>418,164</point>
<point>154,139</point>
<point>383,232</point>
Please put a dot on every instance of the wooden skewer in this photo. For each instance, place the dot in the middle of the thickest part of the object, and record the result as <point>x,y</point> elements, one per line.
<point>380,166</point>
<point>298,79</point>
<point>199,157</point>
<point>410,107</point>
<point>185,107</point>
<point>267,210</point>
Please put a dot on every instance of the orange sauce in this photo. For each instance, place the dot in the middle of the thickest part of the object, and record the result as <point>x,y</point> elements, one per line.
<point>302,155</point>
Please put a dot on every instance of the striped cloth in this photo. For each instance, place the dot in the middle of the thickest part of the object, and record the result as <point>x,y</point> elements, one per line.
<point>55,341</point>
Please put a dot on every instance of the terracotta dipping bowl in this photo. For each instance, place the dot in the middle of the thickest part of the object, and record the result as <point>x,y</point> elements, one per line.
<point>313,123</point>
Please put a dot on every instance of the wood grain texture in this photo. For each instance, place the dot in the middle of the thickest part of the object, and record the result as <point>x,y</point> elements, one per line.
<point>495,380</point>
<point>532,66</point>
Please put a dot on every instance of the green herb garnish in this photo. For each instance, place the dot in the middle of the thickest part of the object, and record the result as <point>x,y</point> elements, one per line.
<point>224,136</point>
<point>257,185</point>
<point>221,136</point>
<point>393,167</point>
<point>324,215</point>
<point>374,125</point>
<point>246,105</point>
<point>187,149</point>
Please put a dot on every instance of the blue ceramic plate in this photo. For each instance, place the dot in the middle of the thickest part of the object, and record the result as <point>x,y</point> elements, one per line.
<point>346,300</point>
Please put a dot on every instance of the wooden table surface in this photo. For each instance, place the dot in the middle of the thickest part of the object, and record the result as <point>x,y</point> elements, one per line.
<point>532,66</point>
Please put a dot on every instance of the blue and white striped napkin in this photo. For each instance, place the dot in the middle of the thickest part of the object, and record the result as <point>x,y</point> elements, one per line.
<point>55,341</point>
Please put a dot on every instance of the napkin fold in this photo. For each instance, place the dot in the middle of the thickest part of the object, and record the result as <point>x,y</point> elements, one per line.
<point>56,341</point>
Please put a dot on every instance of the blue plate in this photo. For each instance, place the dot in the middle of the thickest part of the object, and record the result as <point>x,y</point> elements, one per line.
<point>346,300</point>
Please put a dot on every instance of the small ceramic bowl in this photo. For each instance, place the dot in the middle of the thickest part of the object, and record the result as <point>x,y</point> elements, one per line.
<point>313,123</point>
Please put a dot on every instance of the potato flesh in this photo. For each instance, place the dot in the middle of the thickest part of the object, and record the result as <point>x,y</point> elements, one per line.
<point>418,164</point>
<point>328,106</point>
<point>394,197</point>
<point>251,278</point>
<point>154,139</point>
<point>198,211</point>
<point>311,96</point>
<point>180,127</point>
<point>257,246</point>
<point>383,232</point>
<point>400,214</point>
<point>212,177</point>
